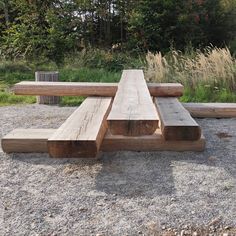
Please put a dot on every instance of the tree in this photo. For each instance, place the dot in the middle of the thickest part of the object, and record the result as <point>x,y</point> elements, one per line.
<point>158,25</point>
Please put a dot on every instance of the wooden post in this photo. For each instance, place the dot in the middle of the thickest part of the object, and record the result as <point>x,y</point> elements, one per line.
<point>52,76</point>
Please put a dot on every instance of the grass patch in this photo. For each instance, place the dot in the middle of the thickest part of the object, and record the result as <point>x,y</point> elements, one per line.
<point>8,78</point>
<point>71,101</point>
<point>208,76</point>
<point>7,98</point>
<point>203,93</point>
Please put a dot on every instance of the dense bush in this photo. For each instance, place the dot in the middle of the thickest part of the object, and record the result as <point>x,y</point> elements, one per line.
<point>53,29</point>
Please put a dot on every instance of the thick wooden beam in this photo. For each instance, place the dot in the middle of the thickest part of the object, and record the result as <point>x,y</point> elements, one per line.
<point>82,133</point>
<point>90,89</point>
<point>26,140</point>
<point>133,112</point>
<point>147,143</point>
<point>35,140</point>
<point>211,110</point>
<point>176,122</point>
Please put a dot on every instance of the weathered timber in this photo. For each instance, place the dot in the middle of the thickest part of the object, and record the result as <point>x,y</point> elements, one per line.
<point>154,142</point>
<point>35,140</point>
<point>26,140</point>
<point>211,110</point>
<point>82,133</point>
<point>51,76</point>
<point>133,112</point>
<point>90,89</point>
<point>176,122</point>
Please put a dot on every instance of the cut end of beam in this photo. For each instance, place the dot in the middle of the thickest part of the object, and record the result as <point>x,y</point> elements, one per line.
<point>73,149</point>
<point>132,127</point>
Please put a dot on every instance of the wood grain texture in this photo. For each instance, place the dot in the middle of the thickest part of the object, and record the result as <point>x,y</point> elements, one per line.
<point>26,140</point>
<point>176,122</point>
<point>90,89</point>
<point>133,112</point>
<point>82,133</point>
<point>35,140</point>
<point>147,143</point>
<point>211,110</point>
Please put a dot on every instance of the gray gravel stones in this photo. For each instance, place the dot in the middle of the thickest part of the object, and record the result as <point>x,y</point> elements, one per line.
<point>124,193</point>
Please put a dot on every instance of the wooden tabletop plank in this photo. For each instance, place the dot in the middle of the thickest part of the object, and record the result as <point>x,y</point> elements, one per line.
<point>82,133</point>
<point>133,112</point>
<point>176,122</point>
<point>35,140</point>
<point>89,89</point>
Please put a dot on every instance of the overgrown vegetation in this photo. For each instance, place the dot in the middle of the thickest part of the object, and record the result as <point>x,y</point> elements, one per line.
<point>208,75</point>
<point>54,29</point>
<point>94,40</point>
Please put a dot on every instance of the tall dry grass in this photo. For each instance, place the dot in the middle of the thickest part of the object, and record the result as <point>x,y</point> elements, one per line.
<point>214,66</point>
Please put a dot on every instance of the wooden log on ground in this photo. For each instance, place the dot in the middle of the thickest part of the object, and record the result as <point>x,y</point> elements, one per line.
<point>176,122</point>
<point>82,133</point>
<point>35,140</point>
<point>26,140</point>
<point>90,89</point>
<point>133,112</point>
<point>52,76</point>
<point>211,110</point>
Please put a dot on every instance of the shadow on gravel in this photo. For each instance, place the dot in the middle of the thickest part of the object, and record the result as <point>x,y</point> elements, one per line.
<point>150,174</point>
<point>135,174</point>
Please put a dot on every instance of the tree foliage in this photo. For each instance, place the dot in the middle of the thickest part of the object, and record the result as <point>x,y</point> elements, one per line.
<point>51,29</point>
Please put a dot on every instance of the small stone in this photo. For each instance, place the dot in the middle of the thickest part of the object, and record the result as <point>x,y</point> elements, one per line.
<point>225,234</point>
<point>163,227</point>
<point>83,209</point>
<point>182,233</point>
<point>192,212</point>
<point>173,199</point>
<point>212,228</point>
<point>139,232</point>
<point>215,221</point>
<point>195,234</point>
<point>227,227</point>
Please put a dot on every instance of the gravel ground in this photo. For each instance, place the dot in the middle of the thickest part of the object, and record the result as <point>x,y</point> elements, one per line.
<point>124,193</point>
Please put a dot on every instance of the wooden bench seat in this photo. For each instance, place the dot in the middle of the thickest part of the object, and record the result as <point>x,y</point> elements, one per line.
<point>82,133</point>
<point>176,122</point>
